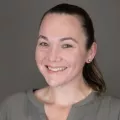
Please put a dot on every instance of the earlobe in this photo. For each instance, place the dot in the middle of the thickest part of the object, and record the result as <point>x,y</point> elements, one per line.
<point>89,60</point>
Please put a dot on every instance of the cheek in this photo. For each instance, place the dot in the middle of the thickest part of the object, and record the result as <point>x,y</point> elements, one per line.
<point>40,55</point>
<point>77,58</point>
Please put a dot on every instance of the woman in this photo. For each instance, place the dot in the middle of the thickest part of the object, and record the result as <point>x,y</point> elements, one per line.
<point>65,55</point>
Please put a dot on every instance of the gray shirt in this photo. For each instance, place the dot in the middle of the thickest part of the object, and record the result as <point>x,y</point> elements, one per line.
<point>25,106</point>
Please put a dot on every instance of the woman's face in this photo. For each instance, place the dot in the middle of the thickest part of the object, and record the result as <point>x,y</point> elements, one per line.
<point>61,49</point>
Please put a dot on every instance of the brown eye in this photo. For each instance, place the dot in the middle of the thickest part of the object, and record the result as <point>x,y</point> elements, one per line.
<point>43,44</point>
<point>67,46</point>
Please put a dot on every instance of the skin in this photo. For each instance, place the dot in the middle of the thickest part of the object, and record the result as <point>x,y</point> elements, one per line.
<point>62,43</point>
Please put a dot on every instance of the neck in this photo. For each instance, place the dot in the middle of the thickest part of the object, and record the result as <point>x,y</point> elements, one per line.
<point>69,94</point>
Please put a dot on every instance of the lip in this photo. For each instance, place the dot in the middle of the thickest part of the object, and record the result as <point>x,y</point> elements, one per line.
<point>53,66</point>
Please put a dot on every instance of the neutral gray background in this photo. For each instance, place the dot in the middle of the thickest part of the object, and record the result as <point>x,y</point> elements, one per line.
<point>19,20</point>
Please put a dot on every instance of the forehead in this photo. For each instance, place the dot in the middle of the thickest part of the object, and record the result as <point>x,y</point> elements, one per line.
<point>61,25</point>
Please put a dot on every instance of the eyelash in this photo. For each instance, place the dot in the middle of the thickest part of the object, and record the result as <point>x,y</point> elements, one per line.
<point>44,44</point>
<point>67,46</point>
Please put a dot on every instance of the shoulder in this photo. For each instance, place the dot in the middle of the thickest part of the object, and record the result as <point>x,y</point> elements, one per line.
<point>15,103</point>
<point>111,104</point>
<point>112,100</point>
<point>16,97</point>
<point>14,100</point>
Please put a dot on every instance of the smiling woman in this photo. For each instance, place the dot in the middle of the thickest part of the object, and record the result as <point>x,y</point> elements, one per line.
<point>62,47</point>
<point>65,55</point>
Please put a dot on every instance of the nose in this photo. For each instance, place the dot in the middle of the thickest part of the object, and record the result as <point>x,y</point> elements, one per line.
<point>54,55</point>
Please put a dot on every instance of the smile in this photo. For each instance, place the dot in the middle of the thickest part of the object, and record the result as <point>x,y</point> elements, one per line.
<point>56,69</point>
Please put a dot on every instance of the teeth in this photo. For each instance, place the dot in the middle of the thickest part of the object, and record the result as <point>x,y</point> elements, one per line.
<point>56,69</point>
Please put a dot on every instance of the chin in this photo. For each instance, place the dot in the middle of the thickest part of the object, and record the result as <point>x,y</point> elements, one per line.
<point>54,83</point>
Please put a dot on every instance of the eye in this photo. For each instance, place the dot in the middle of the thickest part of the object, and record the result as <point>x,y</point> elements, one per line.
<point>43,44</point>
<point>67,46</point>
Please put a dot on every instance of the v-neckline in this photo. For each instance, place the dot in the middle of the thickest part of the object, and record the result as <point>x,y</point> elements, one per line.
<point>40,105</point>
<point>64,113</point>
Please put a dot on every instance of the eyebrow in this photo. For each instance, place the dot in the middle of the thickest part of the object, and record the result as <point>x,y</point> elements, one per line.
<point>61,39</point>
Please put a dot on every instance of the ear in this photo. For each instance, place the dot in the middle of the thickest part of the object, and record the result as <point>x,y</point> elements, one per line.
<point>91,52</point>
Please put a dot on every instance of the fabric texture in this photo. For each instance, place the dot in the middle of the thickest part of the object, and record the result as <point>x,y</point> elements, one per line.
<point>25,106</point>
